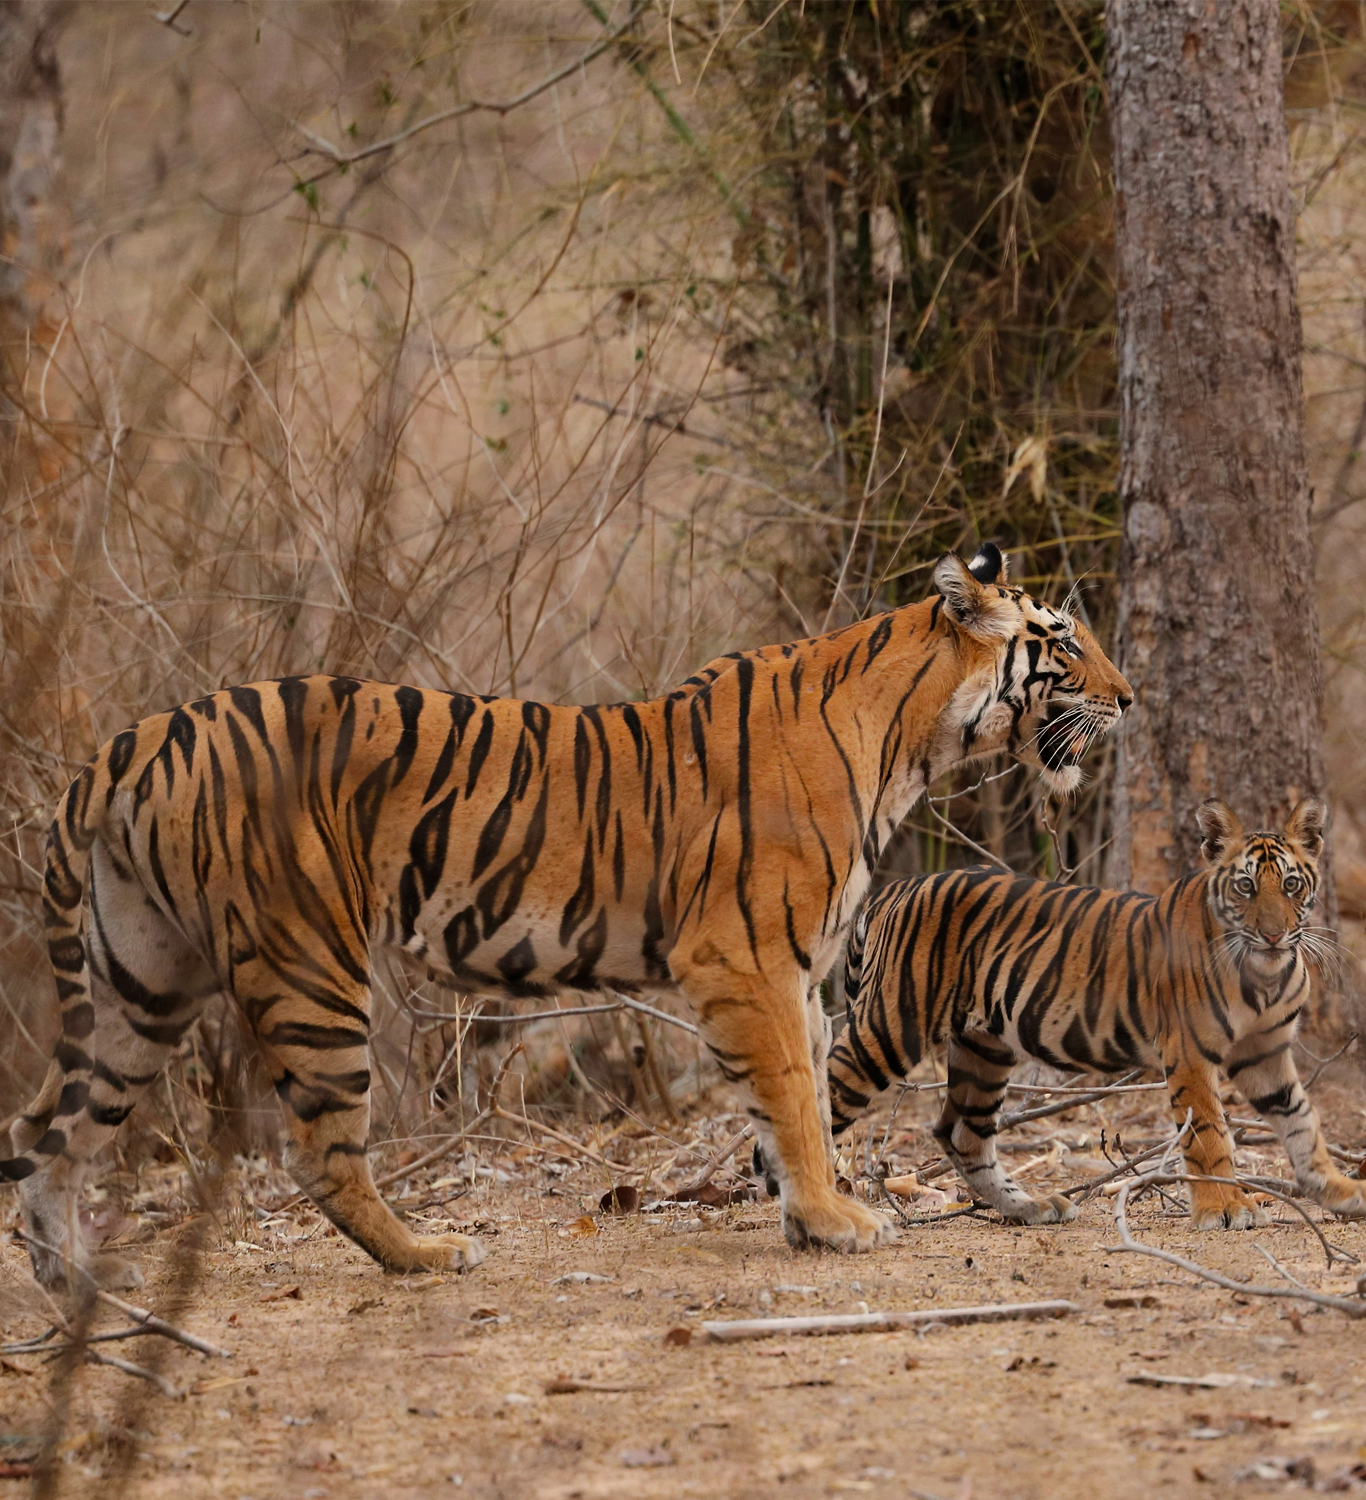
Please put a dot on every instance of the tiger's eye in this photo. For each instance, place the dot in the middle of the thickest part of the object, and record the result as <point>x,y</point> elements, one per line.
<point>1291,885</point>
<point>1245,886</point>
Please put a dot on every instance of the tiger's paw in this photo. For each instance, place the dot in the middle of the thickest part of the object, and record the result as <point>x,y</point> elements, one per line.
<point>1343,1196</point>
<point>1054,1209</point>
<point>447,1252</point>
<point>1234,1210</point>
<point>835,1223</point>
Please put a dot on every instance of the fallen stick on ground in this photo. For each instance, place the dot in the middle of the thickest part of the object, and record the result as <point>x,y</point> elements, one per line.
<point>129,1368</point>
<point>992,1312</point>
<point>588,1387</point>
<point>719,1160</point>
<point>1214,1381</point>
<point>1297,1292</point>
<point>1088,1188</point>
<point>154,1324</point>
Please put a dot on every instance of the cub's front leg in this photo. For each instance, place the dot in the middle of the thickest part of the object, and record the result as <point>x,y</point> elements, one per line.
<point>1264,1071</point>
<point>1194,1091</point>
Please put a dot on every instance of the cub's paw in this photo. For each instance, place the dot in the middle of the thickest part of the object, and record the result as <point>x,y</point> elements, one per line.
<point>835,1223</point>
<point>447,1252</point>
<point>1237,1211</point>
<point>1054,1209</point>
<point>1344,1197</point>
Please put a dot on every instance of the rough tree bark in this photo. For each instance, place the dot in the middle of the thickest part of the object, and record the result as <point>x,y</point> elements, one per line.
<point>30,140</point>
<point>1218,627</point>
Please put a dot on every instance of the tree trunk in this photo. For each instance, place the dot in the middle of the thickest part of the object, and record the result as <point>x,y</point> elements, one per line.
<point>30,141</point>
<point>1218,628</point>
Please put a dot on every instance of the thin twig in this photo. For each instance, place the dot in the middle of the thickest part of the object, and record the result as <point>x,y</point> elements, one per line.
<point>564,1140</point>
<point>168,18</point>
<point>1326,1061</point>
<point>992,1312</point>
<point>129,1368</point>
<point>631,1003</point>
<point>719,1160</point>
<point>964,839</point>
<point>1250,1289</point>
<point>322,147</point>
<point>154,1324</point>
<point>1071,1102</point>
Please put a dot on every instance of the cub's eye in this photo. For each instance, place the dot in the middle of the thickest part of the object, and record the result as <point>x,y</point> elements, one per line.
<point>1067,644</point>
<point>1245,885</point>
<point>1292,885</point>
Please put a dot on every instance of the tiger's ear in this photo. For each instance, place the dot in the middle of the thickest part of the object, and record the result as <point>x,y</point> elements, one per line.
<point>990,564</point>
<point>1306,825</point>
<point>967,599</point>
<point>1219,828</point>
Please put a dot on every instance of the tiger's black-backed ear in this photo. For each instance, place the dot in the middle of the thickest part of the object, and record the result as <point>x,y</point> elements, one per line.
<point>970,604</point>
<point>1306,825</point>
<point>1219,827</point>
<point>990,565</point>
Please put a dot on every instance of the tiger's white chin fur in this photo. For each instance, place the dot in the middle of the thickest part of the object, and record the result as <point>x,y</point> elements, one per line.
<point>1064,781</point>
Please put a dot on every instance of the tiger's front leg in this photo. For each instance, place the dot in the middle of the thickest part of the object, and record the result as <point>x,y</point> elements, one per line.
<point>1262,1067</point>
<point>979,1068</point>
<point>759,1029</point>
<point>1208,1148</point>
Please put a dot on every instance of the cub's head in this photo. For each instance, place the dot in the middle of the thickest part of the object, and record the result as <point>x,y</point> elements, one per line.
<point>1041,689</point>
<point>1262,885</point>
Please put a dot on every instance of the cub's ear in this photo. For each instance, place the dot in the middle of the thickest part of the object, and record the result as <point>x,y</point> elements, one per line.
<point>1219,828</point>
<point>990,565</point>
<point>969,604</point>
<point>1307,823</point>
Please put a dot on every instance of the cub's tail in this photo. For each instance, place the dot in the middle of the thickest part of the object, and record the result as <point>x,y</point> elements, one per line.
<point>76,822</point>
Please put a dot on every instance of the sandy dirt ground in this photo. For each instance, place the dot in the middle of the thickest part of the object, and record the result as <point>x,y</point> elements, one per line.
<point>345,1382</point>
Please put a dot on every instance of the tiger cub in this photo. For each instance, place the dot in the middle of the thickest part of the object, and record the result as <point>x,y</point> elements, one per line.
<point>1209,976</point>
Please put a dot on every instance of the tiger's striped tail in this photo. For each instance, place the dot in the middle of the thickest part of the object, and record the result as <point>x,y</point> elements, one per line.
<point>76,822</point>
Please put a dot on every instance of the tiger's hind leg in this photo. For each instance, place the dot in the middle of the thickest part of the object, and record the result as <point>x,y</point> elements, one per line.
<point>979,1068</point>
<point>319,1059</point>
<point>146,986</point>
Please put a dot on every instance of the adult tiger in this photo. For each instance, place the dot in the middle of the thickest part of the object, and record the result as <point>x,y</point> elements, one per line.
<point>261,839</point>
<point>1209,975</point>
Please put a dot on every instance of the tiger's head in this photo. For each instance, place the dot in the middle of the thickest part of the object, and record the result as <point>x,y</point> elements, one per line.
<point>1040,687</point>
<point>1262,885</point>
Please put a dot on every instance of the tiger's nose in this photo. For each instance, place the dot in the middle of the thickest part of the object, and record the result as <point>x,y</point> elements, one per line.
<point>1272,938</point>
<point>1123,702</point>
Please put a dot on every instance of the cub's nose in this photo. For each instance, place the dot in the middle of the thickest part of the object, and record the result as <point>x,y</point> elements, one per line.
<point>1123,702</point>
<point>1272,938</point>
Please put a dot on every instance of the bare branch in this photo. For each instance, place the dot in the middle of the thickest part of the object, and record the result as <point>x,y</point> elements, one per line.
<point>1129,1243</point>
<point>322,147</point>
